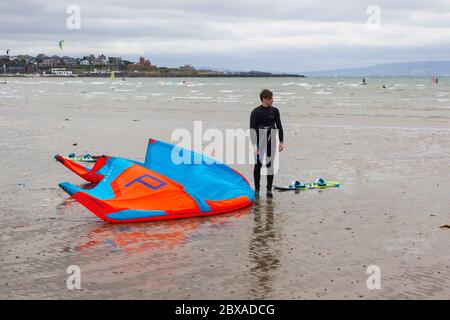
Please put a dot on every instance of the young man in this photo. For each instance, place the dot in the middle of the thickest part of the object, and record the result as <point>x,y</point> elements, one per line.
<point>263,120</point>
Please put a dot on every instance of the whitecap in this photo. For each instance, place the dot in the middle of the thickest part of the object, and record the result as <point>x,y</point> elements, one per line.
<point>190,97</point>
<point>323,92</point>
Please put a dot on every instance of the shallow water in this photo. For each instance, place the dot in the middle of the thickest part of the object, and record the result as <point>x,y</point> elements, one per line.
<point>389,148</point>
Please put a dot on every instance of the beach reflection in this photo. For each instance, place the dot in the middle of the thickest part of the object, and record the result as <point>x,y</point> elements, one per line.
<point>264,250</point>
<point>135,238</point>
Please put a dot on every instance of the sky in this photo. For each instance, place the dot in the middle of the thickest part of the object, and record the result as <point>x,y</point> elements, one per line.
<point>277,36</point>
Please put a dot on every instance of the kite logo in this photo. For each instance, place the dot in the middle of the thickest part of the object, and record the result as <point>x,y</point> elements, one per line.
<point>74,280</point>
<point>73,22</point>
<point>147,184</point>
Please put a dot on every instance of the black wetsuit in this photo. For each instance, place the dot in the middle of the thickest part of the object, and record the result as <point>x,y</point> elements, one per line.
<point>262,121</point>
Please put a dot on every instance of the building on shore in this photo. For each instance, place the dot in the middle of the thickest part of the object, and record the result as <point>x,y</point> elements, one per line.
<point>31,68</point>
<point>51,61</point>
<point>144,63</point>
<point>18,68</point>
<point>101,60</point>
<point>70,62</point>
<point>61,72</point>
<point>115,63</point>
<point>187,67</point>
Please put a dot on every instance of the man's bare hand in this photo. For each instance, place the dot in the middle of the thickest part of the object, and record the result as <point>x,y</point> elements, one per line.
<point>281,147</point>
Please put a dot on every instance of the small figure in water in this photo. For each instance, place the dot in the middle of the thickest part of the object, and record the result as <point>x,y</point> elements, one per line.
<point>383,86</point>
<point>363,82</point>
<point>435,80</point>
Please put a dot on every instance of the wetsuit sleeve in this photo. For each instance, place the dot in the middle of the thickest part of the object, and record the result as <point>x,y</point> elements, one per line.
<point>279,126</point>
<point>253,128</point>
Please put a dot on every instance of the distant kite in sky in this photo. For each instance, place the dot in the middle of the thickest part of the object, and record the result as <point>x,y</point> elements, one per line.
<point>61,44</point>
<point>7,52</point>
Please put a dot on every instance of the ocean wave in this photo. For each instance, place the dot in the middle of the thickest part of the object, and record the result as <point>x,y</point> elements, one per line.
<point>191,97</point>
<point>302,84</point>
<point>30,82</point>
<point>226,100</point>
<point>323,92</point>
<point>229,91</point>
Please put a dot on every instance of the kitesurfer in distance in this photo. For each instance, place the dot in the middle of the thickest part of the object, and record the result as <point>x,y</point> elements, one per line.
<point>363,82</point>
<point>263,120</point>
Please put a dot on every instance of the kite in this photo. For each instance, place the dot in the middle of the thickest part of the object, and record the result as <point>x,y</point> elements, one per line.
<point>159,188</point>
<point>61,44</point>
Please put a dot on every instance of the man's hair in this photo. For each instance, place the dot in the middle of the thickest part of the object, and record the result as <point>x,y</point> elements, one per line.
<point>266,94</point>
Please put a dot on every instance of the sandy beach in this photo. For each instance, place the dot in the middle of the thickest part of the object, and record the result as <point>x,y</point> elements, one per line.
<point>389,148</point>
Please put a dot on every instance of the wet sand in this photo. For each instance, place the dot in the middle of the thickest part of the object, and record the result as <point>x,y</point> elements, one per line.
<point>317,244</point>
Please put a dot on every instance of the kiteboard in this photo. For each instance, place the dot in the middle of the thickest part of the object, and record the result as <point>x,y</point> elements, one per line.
<point>318,184</point>
<point>82,158</point>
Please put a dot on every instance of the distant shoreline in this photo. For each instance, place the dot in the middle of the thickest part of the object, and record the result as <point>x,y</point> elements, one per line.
<point>107,75</point>
<point>118,76</point>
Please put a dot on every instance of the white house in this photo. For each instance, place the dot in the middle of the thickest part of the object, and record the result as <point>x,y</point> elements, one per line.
<point>61,72</point>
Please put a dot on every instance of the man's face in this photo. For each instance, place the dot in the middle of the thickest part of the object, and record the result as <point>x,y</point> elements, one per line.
<point>268,101</point>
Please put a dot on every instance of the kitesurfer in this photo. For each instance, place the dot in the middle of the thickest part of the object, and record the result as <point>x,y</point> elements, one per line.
<point>263,120</point>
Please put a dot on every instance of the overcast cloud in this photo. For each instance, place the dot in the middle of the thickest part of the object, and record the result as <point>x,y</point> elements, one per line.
<point>283,35</point>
